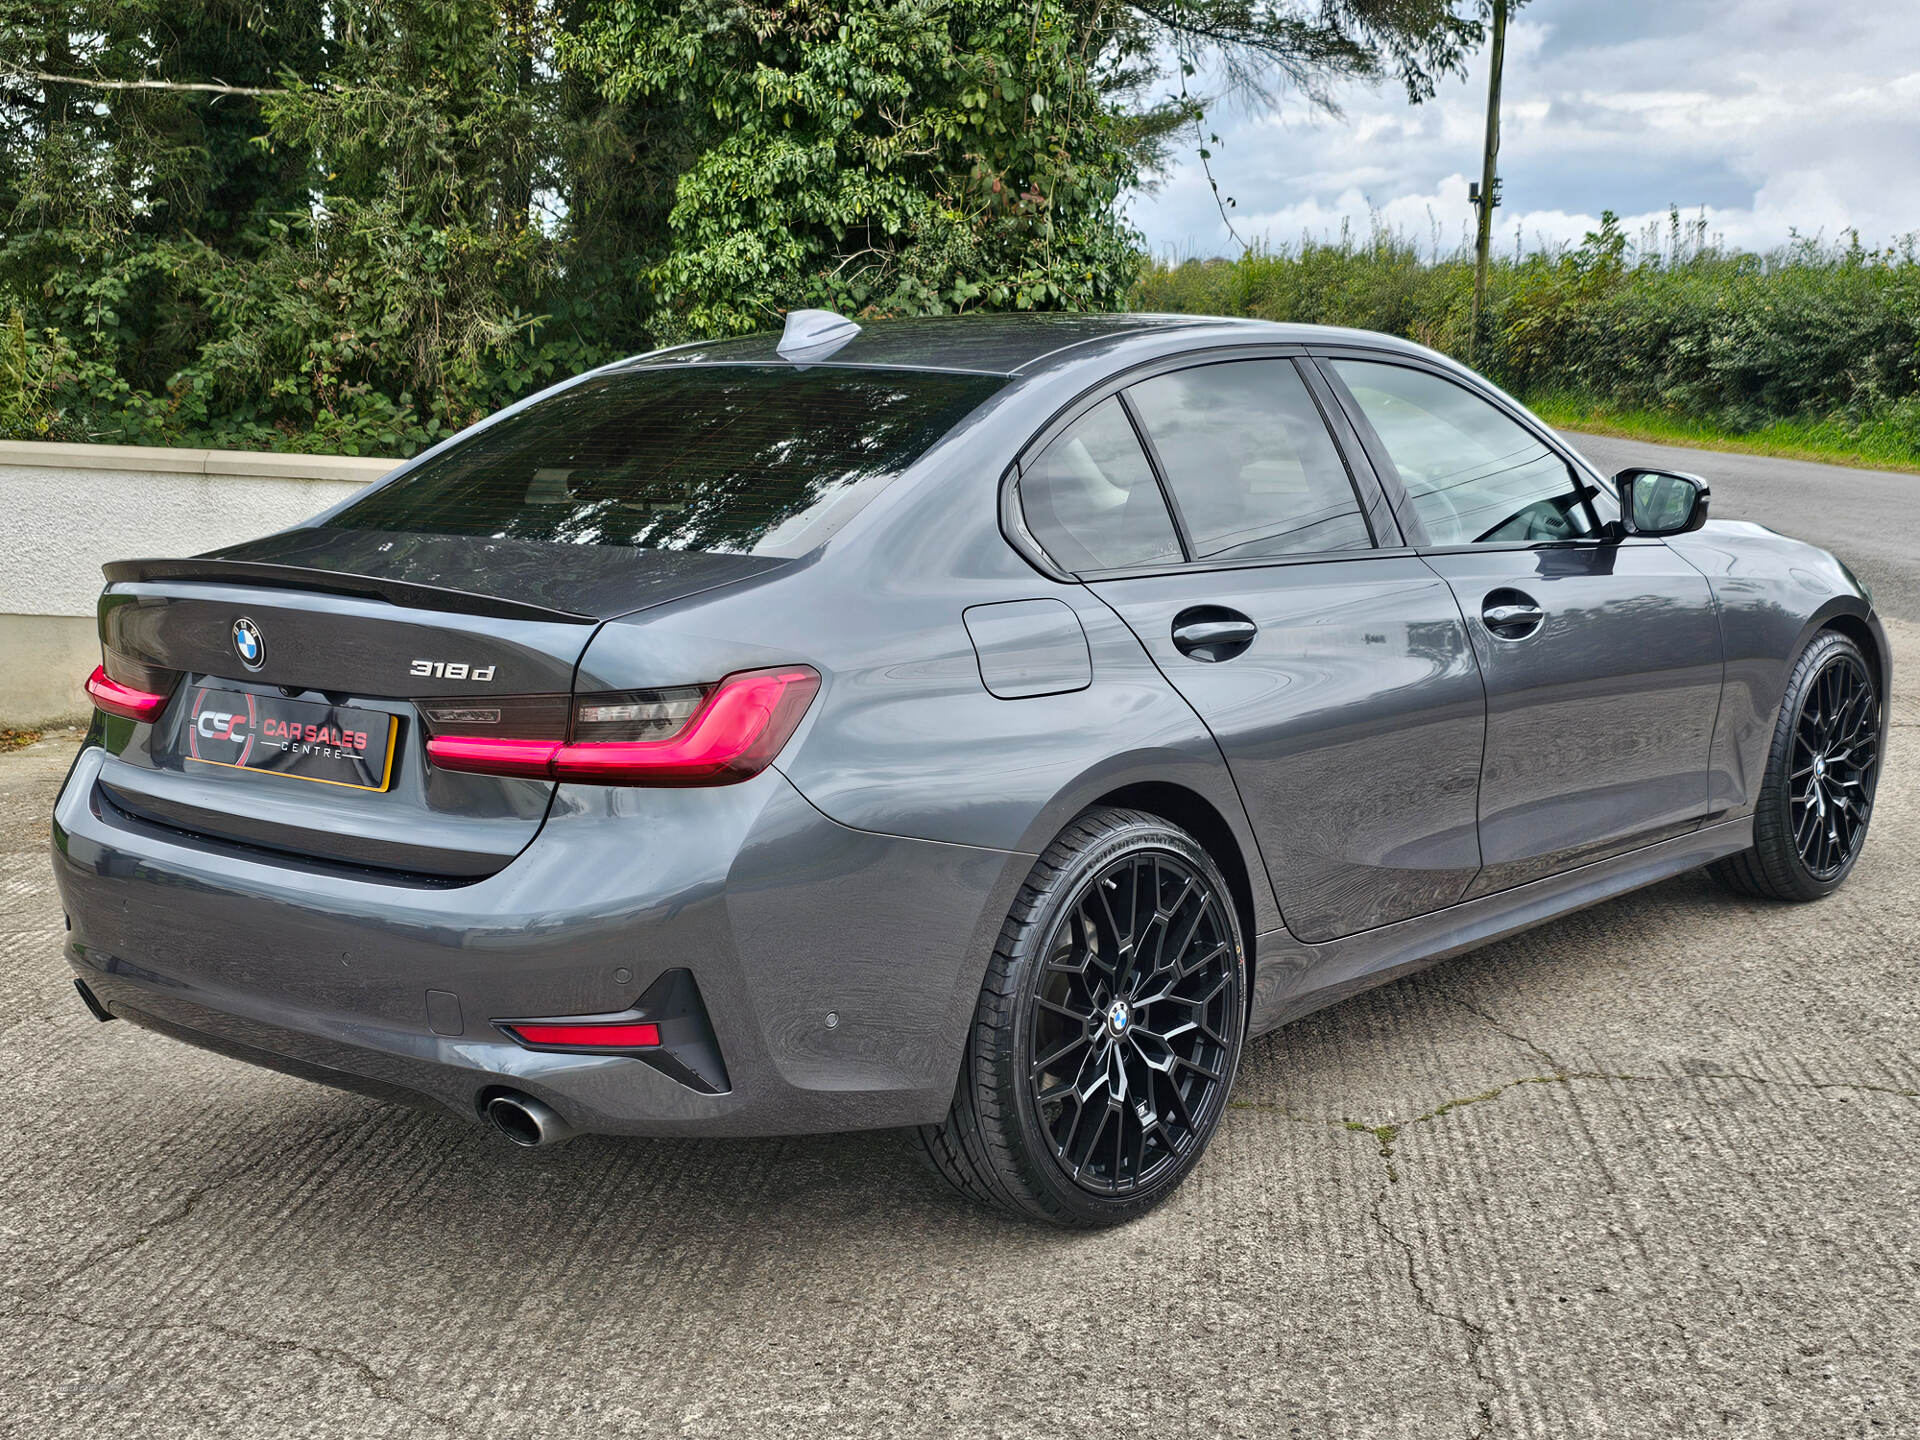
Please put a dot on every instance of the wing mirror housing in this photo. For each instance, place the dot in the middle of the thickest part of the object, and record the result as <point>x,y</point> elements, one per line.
<point>1661,502</point>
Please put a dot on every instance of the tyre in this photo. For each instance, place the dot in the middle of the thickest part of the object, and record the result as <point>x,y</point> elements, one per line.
<point>1816,797</point>
<point>1108,1029</point>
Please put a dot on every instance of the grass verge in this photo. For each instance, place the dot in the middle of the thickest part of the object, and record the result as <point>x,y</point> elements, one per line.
<point>1828,442</point>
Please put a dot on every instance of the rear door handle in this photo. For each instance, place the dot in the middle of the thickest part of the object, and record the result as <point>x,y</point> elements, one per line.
<point>1212,632</point>
<point>1512,614</point>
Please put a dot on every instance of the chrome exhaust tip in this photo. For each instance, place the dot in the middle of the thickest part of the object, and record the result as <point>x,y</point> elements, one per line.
<point>526,1121</point>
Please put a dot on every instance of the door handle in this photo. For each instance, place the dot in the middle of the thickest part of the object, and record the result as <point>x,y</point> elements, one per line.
<point>1512,614</point>
<point>1212,632</point>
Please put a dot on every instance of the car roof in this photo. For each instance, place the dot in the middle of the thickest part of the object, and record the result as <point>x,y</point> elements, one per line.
<point>1009,344</point>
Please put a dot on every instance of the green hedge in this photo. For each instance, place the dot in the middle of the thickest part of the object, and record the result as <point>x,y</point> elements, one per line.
<point>1825,336</point>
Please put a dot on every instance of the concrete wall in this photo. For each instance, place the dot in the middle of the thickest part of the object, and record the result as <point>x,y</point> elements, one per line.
<point>67,509</point>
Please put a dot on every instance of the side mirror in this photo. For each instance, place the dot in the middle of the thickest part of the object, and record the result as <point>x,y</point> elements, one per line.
<point>1661,502</point>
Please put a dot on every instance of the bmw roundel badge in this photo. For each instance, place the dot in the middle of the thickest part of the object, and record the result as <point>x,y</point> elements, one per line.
<point>249,644</point>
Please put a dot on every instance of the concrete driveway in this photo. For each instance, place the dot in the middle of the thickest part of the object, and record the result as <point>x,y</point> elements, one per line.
<point>1646,1171</point>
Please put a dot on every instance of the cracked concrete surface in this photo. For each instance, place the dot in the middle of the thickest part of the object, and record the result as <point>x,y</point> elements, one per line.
<point>1644,1171</point>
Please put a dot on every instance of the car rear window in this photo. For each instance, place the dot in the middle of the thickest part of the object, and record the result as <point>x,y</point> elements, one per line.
<point>729,458</point>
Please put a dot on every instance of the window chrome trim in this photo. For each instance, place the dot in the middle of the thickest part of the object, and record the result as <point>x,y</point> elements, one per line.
<point>1013,528</point>
<point>1260,562</point>
<point>1183,537</point>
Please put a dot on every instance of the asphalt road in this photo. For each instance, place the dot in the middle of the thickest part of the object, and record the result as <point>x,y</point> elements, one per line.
<point>1646,1171</point>
<point>1869,518</point>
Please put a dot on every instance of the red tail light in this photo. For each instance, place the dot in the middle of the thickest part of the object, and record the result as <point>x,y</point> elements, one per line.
<point>695,736</point>
<point>123,700</point>
<point>628,1036</point>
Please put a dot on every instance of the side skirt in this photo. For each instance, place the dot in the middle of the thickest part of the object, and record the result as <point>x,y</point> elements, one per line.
<point>1292,978</point>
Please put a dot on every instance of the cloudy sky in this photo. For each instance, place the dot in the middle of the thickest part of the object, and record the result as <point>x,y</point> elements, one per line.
<point>1775,115</point>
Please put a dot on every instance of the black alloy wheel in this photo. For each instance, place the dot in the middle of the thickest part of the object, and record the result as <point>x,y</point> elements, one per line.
<point>1816,797</point>
<point>1836,752</point>
<point>1129,1032</point>
<point>1112,1018</point>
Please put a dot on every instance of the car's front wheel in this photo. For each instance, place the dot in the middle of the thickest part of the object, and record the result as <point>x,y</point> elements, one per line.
<point>1817,794</point>
<point>1108,1029</point>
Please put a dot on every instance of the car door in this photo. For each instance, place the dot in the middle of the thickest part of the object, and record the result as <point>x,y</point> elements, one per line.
<point>1601,655</point>
<point>1330,663</point>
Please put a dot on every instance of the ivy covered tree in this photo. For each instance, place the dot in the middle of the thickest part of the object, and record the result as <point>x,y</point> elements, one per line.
<point>901,156</point>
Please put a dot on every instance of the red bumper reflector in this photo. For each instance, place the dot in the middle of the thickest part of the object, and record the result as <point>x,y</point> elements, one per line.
<point>732,737</point>
<point>123,700</point>
<point>589,1037</point>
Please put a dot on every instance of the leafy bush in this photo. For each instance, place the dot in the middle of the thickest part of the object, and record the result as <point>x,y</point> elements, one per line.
<point>1812,333</point>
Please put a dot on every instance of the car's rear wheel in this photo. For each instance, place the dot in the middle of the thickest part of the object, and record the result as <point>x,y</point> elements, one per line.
<point>1108,1029</point>
<point>1817,795</point>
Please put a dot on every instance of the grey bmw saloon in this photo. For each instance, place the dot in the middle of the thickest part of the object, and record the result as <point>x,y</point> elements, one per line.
<point>979,726</point>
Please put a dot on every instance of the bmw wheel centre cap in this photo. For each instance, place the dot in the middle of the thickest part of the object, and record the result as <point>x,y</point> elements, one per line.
<point>249,644</point>
<point>1119,1017</point>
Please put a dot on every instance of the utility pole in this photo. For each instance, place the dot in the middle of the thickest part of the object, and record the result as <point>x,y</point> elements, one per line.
<point>1486,194</point>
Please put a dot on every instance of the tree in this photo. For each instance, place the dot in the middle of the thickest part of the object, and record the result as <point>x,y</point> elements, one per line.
<point>888,156</point>
<point>346,225</point>
<point>341,225</point>
<point>1306,45</point>
<point>1261,47</point>
<point>91,178</point>
<point>922,155</point>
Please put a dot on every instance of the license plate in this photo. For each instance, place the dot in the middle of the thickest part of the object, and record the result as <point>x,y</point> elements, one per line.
<point>301,739</point>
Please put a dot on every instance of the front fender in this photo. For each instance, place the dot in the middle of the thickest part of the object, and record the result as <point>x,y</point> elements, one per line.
<point>1773,594</point>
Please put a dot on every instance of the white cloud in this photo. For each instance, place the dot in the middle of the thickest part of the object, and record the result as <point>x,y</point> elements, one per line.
<point>1771,116</point>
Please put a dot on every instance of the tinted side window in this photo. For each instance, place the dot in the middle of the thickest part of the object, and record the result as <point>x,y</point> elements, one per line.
<point>1474,475</point>
<point>1091,498</point>
<point>1249,461</point>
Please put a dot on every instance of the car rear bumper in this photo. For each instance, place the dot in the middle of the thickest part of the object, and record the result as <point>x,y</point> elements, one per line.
<point>838,968</point>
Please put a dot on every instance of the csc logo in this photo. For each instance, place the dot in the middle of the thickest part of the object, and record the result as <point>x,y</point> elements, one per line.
<point>220,725</point>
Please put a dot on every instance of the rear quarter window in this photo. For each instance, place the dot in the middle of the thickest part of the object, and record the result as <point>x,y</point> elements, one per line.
<point>737,458</point>
<point>1091,500</point>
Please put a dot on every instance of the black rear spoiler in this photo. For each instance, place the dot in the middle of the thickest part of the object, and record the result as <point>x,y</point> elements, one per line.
<point>334,582</point>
